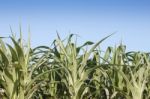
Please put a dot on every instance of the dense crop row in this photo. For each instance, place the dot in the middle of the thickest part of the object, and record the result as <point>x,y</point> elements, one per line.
<point>68,71</point>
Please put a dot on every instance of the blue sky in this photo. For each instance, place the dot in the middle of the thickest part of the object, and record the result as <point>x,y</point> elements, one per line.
<point>91,19</point>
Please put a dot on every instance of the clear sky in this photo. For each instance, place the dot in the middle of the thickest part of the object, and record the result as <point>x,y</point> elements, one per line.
<point>91,19</point>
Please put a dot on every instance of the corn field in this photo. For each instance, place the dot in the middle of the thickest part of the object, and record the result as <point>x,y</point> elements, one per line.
<point>65,70</point>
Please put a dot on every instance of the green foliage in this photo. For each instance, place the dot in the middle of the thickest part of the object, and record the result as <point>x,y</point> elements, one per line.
<point>68,71</point>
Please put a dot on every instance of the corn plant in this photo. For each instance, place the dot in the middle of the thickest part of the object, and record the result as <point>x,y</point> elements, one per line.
<point>17,70</point>
<point>75,67</point>
<point>138,75</point>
